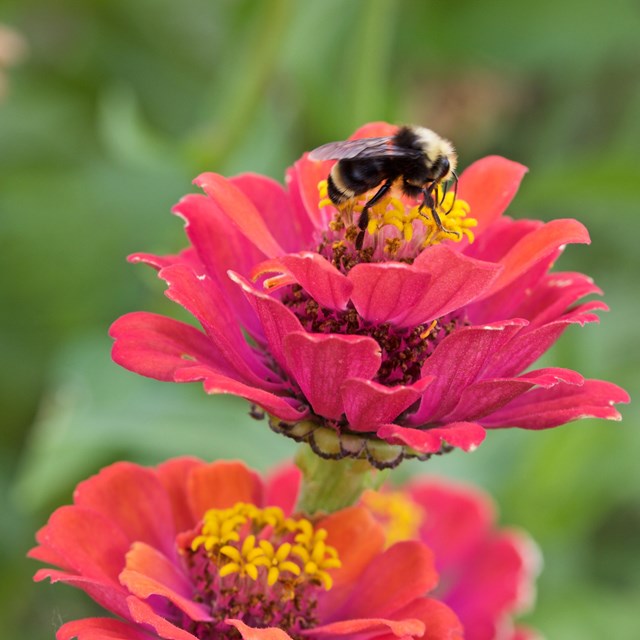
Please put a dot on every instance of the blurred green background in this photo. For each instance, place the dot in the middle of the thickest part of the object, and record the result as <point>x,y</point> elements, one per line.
<point>117,105</point>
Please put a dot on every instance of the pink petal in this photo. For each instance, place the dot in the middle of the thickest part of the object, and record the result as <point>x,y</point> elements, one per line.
<point>379,129</point>
<point>134,498</point>
<point>283,486</point>
<point>240,211</point>
<point>455,281</point>
<point>537,296</point>
<point>283,407</point>
<point>321,363</point>
<point>112,597</point>
<point>201,297</point>
<point>157,347</point>
<point>535,247</point>
<point>46,554</point>
<point>274,205</point>
<point>501,236</point>
<point>489,185</point>
<point>457,519</point>
<point>101,629</point>
<point>464,435</point>
<point>503,566</point>
<point>220,247</point>
<point>371,627</point>
<point>553,295</point>
<point>457,362</point>
<point>504,303</point>
<point>307,222</point>
<point>486,396</point>
<point>251,633</point>
<point>143,614</point>
<point>402,573</point>
<point>545,408</point>
<point>441,623</point>
<point>174,474</point>
<point>315,274</point>
<point>383,292</point>
<point>302,182</point>
<point>186,256</point>
<point>369,404</point>
<point>528,345</point>
<point>150,573</point>
<point>223,484</point>
<point>276,320</point>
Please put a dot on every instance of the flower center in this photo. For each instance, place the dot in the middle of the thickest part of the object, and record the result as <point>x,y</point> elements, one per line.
<point>404,350</point>
<point>398,229</point>
<point>400,517</point>
<point>257,566</point>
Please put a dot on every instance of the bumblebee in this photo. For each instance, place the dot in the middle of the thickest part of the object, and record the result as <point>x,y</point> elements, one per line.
<point>415,158</point>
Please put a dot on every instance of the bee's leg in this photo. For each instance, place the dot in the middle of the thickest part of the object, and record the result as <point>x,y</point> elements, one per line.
<point>445,190</point>
<point>429,202</point>
<point>455,191</point>
<point>363,221</point>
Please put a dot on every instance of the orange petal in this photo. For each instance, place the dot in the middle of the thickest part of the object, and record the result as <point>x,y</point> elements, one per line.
<point>222,484</point>
<point>173,474</point>
<point>357,537</point>
<point>249,633</point>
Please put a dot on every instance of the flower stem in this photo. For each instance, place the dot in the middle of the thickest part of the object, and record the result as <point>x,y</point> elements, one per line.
<point>330,485</point>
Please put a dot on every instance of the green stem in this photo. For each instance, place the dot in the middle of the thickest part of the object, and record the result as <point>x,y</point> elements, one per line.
<point>330,485</point>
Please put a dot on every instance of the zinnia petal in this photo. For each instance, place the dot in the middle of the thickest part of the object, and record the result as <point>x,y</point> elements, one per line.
<point>464,435</point>
<point>241,211</point>
<point>320,364</point>
<point>545,408</point>
<point>490,184</point>
<point>100,629</point>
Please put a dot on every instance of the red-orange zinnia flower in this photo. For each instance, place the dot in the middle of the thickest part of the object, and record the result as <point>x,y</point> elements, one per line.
<point>487,573</point>
<point>196,551</point>
<point>417,342</point>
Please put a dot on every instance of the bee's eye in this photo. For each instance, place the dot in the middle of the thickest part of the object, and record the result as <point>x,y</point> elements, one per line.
<point>441,167</point>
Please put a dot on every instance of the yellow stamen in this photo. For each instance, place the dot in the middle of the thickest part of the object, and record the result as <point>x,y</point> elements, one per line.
<point>393,211</point>
<point>317,557</point>
<point>276,561</point>
<point>250,542</point>
<point>425,334</point>
<point>244,561</point>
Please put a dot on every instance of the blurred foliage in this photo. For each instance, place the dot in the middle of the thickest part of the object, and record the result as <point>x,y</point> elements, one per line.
<point>119,104</point>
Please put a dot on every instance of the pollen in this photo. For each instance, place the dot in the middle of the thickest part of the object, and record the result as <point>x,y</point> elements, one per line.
<point>401,517</point>
<point>260,564</point>
<point>400,226</point>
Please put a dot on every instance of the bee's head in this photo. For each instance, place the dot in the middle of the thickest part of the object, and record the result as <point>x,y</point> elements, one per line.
<point>441,157</point>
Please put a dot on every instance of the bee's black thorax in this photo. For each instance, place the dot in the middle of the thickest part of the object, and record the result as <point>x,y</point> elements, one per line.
<point>406,138</point>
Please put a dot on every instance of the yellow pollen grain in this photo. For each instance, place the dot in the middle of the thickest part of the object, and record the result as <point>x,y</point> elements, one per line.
<point>323,189</point>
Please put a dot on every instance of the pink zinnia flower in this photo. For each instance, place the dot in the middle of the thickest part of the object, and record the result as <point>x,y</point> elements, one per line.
<point>414,344</point>
<point>196,551</point>
<point>487,574</point>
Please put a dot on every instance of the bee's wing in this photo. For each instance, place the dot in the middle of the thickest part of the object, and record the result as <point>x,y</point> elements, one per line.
<point>362,148</point>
